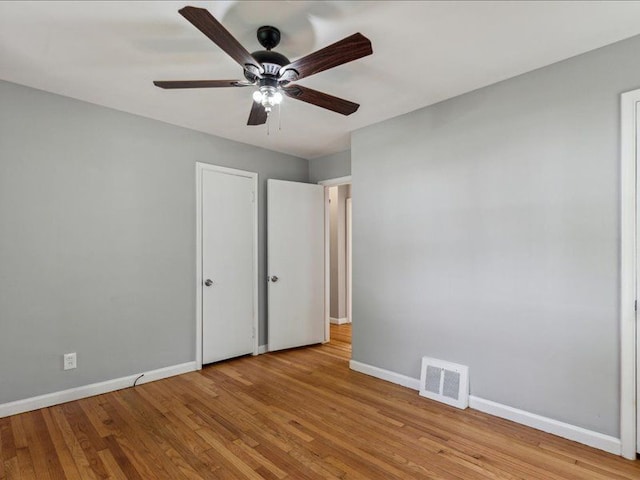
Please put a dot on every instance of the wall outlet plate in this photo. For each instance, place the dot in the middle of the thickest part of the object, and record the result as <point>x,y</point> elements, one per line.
<point>70,361</point>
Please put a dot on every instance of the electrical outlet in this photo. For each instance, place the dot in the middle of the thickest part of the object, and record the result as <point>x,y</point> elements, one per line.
<point>69,361</point>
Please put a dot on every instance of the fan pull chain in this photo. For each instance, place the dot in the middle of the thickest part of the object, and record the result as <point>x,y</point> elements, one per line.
<point>268,122</point>
<point>280,117</point>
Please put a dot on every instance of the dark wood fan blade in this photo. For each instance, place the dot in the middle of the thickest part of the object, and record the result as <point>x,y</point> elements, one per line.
<point>346,50</point>
<point>324,100</point>
<point>258,115</point>
<point>201,83</point>
<point>207,24</point>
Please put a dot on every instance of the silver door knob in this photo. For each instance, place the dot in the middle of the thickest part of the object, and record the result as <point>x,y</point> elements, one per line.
<point>274,279</point>
<point>208,282</point>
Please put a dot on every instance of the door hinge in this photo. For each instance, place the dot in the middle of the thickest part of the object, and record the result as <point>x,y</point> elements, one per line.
<point>253,197</point>
<point>254,332</point>
<point>635,306</point>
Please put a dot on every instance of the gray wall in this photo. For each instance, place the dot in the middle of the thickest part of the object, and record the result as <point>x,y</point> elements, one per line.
<point>486,232</point>
<point>97,241</point>
<point>332,166</point>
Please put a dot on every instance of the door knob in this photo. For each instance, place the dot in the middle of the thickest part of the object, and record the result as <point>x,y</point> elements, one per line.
<point>208,282</point>
<point>274,279</point>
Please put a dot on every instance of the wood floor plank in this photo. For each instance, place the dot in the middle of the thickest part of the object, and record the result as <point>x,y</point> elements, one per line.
<point>110,463</point>
<point>5,447</point>
<point>102,424</point>
<point>264,463</point>
<point>25,464</point>
<point>19,436</point>
<point>12,469</point>
<point>125,465</point>
<point>60,448</point>
<point>300,414</point>
<point>46,462</point>
<point>175,448</point>
<point>229,459</point>
<point>89,440</point>
<point>141,429</point>
<point>73,443</point>
<point>128,447</point>
<point>7,443</point>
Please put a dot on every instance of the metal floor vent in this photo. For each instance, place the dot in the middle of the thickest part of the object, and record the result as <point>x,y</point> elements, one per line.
<point>445,382</point>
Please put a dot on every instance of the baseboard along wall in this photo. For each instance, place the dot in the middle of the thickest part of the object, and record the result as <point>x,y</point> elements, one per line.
<point>77,393</point>
<point>571,432</point>
<point>565,430</point>
<point>339,321</point>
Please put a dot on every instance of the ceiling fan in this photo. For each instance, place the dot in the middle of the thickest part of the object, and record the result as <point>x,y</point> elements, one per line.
<point>271,71</point>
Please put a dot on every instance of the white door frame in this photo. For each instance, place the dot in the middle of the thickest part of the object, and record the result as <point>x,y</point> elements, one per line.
<point>200,168</point>
<point>331,182</point>
<point>628,275</point>
<point>349,255</point>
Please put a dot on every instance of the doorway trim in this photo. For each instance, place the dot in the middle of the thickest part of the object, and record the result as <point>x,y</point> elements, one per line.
<point>331,182</point>
<point>629,103</point>
<point>349,269</point>
<point>200,169</point>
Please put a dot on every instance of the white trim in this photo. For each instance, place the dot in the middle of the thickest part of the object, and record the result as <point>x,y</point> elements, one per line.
<point>198,266</point>
<point>549,425</point>
<point>349,255</point>
<point>256,269</point>
<point>263,349</point>
<point>339,321</point>
<point>55,398</point>
<point>331,182</point>
<point>327,266</point>
<point>628,271</point>
<point>200,168</point>
<point>334,182</point>
<point>388,375</point>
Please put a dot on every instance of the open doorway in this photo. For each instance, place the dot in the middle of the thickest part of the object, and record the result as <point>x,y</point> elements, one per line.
<point>338,254</point>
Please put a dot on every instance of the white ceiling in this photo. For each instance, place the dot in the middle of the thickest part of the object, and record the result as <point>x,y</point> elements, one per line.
<point>108,53</point>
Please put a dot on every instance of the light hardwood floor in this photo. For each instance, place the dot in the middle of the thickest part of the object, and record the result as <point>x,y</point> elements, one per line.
<point>298,414</point>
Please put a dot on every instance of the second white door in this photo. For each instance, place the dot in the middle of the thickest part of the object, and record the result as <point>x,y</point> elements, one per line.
<point>228,267</point>
<point>295,251</point>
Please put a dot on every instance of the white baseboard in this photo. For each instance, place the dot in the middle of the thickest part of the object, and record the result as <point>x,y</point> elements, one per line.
<point>388,375</point>
<point>339,321</point>
<point>63,396</point>
<point>263,349</point>
<point>549,425</point>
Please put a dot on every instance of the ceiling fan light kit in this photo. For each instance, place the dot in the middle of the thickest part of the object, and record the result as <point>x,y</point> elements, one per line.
<point>271,71</point>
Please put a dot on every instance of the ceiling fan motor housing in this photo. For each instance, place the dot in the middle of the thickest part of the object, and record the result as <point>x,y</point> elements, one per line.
<point>270,61</point>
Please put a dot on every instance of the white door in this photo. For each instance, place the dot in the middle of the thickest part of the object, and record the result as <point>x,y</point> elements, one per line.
<point>295,257</point>
<point>228,266</point>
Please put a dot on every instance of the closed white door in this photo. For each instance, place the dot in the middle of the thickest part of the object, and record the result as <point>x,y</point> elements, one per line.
<point>295,256</point>
<point>228,268</point>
